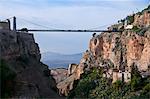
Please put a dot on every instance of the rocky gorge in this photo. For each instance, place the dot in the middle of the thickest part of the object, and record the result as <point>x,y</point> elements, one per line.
<point>116,65</point>
<point>116,53</point>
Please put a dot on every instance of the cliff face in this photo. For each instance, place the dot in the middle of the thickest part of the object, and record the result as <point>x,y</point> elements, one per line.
<point>14,45</point>
<point>59,74</point>
<point>123,48</point>
<point>21,54</point>
<point>120,51</point>
<point>142,19</point>
<point>116,53</point>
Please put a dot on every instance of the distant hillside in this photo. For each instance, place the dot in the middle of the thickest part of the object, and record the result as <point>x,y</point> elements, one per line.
<point>57,60</point>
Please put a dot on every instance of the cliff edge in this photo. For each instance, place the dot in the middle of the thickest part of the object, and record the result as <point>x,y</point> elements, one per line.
<point>23,75</point>
<point>116,52</point>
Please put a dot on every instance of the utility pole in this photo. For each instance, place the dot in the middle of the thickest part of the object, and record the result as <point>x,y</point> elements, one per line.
<point>14,23</point>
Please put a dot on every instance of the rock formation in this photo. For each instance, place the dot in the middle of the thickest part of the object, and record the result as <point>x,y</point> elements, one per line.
<point>59,74</point>
<point>142,20</point>
<point>116,53</point>
<point>20,52</point>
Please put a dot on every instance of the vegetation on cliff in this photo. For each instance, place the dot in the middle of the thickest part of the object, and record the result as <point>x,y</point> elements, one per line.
<point>141,12</point>
<point>94,86</point>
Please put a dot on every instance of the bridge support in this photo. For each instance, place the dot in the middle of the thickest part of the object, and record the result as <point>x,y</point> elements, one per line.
<point>14,23</point>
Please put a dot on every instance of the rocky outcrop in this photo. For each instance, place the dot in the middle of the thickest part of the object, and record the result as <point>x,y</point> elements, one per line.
<point>18,44</point>
<point>72,68</point>
<point>74,72</point>
<point>20,52</point>
<point>116,53</point>
<point>142,20</point>
<point>120,51</point>
<point>59,74</point>
<point>63,79</point>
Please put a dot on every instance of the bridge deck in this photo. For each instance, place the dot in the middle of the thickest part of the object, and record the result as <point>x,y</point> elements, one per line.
<point>34,30</point>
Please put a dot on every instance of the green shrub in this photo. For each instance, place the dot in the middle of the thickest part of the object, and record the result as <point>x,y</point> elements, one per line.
<point>135,29</point>
<point>139,13</point>
<point>85,84</point>
<point>118,84</point>
<point>135,83</point>
<point>135,78</point>
<point>148,8</point>
<point>130,19</point>
<point>146,89</point>
<point>93,86</point>
<point>141,32</point>
<point>101,90</point>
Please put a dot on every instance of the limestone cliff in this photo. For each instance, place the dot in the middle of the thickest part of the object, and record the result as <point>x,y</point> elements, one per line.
<point>59,74</point>
<point>22,56</point>
<point>116,52</point>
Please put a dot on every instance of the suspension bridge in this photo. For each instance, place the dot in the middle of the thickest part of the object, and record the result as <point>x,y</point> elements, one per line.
<point>54,30</point>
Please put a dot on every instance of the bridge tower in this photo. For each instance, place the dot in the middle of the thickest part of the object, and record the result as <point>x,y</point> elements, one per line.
<point>14,23</point>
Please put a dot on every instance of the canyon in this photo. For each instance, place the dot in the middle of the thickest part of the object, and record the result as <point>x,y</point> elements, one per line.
<point>116,53</point>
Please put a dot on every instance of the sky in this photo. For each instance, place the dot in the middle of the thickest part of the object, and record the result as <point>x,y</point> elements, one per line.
<point>67,14</point>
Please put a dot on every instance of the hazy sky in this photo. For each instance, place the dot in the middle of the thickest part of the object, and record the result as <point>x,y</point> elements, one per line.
<point>67,14</point>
